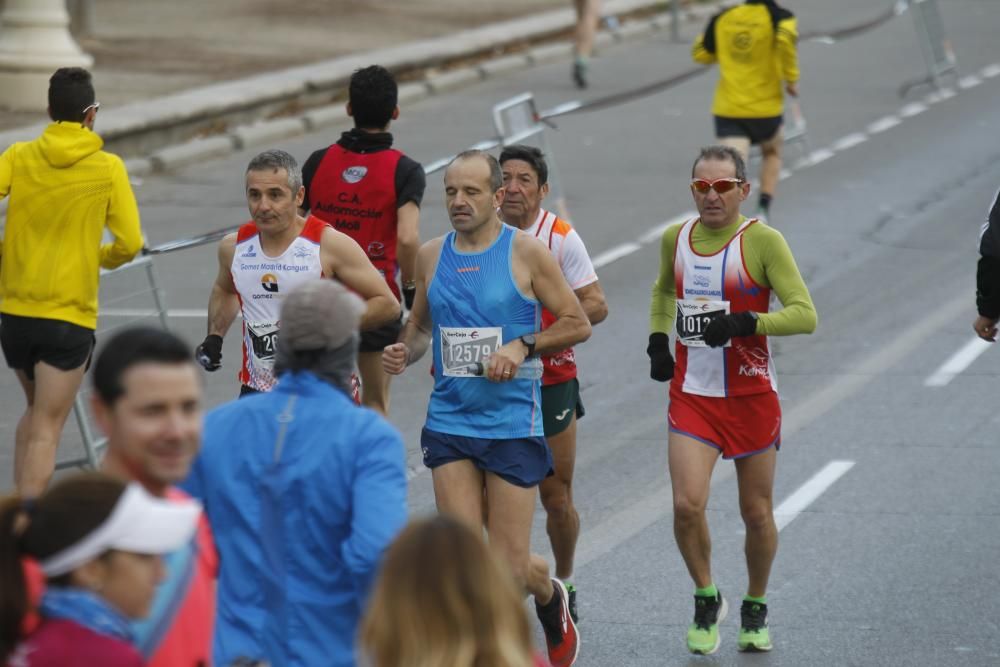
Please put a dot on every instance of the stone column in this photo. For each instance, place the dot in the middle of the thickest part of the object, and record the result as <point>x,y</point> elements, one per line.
<point>34,42</point>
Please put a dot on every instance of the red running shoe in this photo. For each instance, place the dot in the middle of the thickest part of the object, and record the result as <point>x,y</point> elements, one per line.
<point>561,635</point>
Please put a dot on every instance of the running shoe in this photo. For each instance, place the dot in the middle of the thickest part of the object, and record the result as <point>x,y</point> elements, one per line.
<point>754,635</point>
<point>709,611</point>
<point>580,74</point>
<point>571,589</point>
<point>561,637</point>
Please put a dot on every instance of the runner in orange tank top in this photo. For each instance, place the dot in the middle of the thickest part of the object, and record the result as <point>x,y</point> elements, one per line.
<point>525,176</point>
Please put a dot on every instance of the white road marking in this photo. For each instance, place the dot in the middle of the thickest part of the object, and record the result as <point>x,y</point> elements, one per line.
<point>656,233</point>
<point>912,109</point>
<point>850,141</point>
<point>806,494</point>
<point>615,254</point>
<point>947,93</point>
<point>957,362</point>
<point>883,124</point>
<point>990,71</point>
<point>819,155</point>
<point>970,81</point>
<point>783,174</point>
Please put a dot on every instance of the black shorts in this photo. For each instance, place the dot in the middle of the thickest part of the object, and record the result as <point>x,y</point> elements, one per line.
<point>377,339</point>
<point>757,130</point>
<point>27,341</point>
<point>560,403</point>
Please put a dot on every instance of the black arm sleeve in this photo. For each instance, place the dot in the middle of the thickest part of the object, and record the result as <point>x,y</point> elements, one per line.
<point>988,270</point>
<point>410,182</point>
<point>988,287</point>
<point>708,39</point>
<point>309,170</point>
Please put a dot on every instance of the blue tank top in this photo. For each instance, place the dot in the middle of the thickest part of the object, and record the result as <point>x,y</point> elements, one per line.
<point>471,296</point>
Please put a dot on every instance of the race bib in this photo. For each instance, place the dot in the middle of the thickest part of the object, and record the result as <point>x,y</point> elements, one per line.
<point>693,317</point>
<point>462,348</point>
<point>263,343</point>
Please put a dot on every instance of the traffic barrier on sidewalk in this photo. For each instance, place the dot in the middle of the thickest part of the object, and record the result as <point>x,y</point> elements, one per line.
<point>154,306</point>
<point>934,46</point>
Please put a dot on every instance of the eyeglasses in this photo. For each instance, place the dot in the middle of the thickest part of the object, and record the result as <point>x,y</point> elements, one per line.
<point>720,185</point>
<point>95,106</point>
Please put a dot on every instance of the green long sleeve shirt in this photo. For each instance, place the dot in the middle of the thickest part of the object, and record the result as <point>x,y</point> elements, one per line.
<point>769,262</point>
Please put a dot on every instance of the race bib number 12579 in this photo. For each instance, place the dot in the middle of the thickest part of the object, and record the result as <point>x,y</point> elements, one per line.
<point>464,347</point>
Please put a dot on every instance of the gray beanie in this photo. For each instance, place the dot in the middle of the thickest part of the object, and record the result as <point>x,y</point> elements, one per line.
<point>318,315</point>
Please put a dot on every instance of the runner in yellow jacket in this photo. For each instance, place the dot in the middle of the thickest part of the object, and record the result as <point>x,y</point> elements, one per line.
<point>64,191</point>
<point>755,46</point>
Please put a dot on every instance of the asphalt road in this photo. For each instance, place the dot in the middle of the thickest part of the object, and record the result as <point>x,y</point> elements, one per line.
<point>892,558</point>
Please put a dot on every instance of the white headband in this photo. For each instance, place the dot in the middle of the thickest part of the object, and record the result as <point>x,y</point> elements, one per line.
<point>139,523</point>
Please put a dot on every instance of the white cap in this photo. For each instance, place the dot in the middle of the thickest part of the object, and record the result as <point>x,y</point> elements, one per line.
<point>140,523</point>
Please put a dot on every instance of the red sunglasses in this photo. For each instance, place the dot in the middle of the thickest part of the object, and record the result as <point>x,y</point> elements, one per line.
<point>720,185</point>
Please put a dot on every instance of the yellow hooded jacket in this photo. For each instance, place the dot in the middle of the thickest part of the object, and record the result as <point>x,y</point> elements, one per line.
<point>755,46</point>
<point>64,190</point>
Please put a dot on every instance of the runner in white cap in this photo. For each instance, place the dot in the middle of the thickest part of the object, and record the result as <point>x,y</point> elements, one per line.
<point>95,544</point>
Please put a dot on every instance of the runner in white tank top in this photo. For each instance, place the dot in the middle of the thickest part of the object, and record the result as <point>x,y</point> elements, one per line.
<point>268,256</point>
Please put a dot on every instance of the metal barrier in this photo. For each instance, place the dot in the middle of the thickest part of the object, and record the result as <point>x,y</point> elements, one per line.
<point>518,121</point>
<point>793,131</point>
<point>934,45</point>
<point>93,444</point>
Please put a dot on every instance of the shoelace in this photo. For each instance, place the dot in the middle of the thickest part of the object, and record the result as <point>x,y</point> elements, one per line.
<point>753,616</point>
<point>705,611</point>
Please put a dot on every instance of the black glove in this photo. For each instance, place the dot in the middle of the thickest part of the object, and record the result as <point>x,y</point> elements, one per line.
<point>722,328</point>
<point>661,362</point>
<point>408,295</point>
<point>209,353</point>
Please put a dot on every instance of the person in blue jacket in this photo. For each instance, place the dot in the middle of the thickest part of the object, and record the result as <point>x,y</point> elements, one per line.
<point>304,490</point>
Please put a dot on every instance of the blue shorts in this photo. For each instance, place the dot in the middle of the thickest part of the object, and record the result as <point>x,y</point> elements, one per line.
<point>523,462</point>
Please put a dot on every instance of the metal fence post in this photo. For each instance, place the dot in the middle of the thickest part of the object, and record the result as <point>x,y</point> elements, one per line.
<point>934,45</point>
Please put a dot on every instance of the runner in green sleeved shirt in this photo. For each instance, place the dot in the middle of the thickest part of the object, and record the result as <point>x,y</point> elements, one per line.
<point>717,275</point>
<point>769,262</point>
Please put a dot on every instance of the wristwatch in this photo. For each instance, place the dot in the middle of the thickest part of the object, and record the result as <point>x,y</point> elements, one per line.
<point>529,342</point>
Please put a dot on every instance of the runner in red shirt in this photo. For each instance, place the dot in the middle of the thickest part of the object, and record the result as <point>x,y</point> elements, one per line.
<point>366,189</point>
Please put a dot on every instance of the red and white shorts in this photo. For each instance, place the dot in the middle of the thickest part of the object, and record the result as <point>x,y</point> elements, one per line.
<point>737,426</point>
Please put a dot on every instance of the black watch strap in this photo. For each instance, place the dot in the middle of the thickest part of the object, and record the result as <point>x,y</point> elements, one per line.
<point>529,342</point>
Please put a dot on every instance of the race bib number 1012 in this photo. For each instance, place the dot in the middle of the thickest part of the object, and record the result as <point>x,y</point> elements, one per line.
<point>693,318</point>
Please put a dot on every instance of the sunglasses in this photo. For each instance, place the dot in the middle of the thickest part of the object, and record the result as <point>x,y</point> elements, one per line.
<point>720,185</point>
<point>95,106</point>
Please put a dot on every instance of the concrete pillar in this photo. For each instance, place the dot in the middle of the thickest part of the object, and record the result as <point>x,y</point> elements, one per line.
<point>34,43</point>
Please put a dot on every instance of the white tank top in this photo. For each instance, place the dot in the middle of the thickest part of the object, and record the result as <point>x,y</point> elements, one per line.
<point>262,283</point>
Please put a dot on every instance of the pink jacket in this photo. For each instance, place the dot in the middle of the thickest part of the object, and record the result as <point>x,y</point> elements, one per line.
<point>62,643</point>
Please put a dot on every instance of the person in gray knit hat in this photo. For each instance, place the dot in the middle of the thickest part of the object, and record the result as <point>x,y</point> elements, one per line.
<point>303,489</point>
<point>320,332</point>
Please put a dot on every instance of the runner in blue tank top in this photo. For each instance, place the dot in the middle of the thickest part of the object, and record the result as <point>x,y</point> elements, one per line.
<point>479,293</point>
